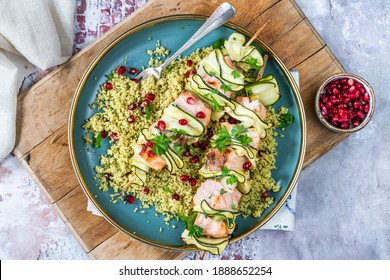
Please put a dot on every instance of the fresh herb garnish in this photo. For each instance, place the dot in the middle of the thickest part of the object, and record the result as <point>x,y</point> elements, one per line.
<point>109,76</point>
<point>223,139</point>
<point>212,73</point>
<point>149,110</point>
<point>232,179</point>
<point>225,171</point>
<point>236,74</point>
<point>98,141</point>
<point>222,191</point>
<point>285,120</point>
<point>160,144</point>
<point>215,105</point>
<point>233,206</point>
<point>218,44</point>
<point>226,88</point>
<point>167,189</point>
<point>179,131</point>
<point>238,133</point>
<point>253,63</point>
<point>177,148</point>
<point>188,221</point>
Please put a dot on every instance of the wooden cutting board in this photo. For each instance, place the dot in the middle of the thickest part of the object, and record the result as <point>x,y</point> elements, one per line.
<point>42,116</point>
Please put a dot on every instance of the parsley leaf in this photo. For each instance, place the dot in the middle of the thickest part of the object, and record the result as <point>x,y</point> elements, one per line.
<point>285,120</point>
<point>238,129</point>
<point>223,139</point>
<point>225,171</point>
<point>167,189</point>
<point>148,110</point>
<point>244,139</point>
<point>188,221</point>
<point>235,74</point>
<point>226,87</point>
<point>232,179</point>
<point>177,148</point>
<point>219,43</point>
<point>98,141</point>
<point>160,144</point>
<point>179,131</point>
<point>253,63</point>
<point>222,191</point>
<point>109,76</point>
<point>215,105</point>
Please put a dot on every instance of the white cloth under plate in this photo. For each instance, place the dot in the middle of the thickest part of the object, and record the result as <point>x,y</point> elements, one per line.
<point>34,34</point>
<point>284,219</point>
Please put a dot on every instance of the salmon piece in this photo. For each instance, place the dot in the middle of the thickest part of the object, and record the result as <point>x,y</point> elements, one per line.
<point>216,160</point>
<point>156,162</point>
<point>218,195</point>
<point>254,105</point>
<point>251,133</point>
<point>230,63</point>
<point>211,228</point>
<point>193,109</point>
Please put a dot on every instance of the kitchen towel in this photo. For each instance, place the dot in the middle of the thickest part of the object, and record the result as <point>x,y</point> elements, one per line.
<point>34,34</point>
<point>284,219</point>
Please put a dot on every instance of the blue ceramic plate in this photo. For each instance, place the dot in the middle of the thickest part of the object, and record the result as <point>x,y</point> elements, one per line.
<point>173,32</point>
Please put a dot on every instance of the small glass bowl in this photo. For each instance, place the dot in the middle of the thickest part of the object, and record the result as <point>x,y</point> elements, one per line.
<point>328,122</point>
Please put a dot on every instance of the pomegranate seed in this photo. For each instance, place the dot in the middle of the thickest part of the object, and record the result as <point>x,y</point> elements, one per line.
<point>195,144</point>
<point>183,121</point>
<point>189,63</point>
<point>130,199</point>
<point>150,96</point>
<point>108,86</point>
<point>121,70</point>
<point>221,120</point>
<point>192,182</point>
<point>210,133</point>
<point>107,176</point>
<point>350,82</point>
<point>149,144</point>
<point>132,106</point>
<point>336,91</point>
<point>264,195</point>
<point>135,80</point>
<point>344,81</point>
<point>194,159</point>
<point>191,100</point>
<point>145,191</point>
<point>144,103</point>
<point>131,119</point>
<point>187,153</point>
<point>115,137</point>
<point>133,71</point>
<point>175,196</point>
<point>356,122</point>
<point>360,114</point>
<point>247,165</point>
<point>150,154</point>
<point>161,125</point>
<point>190,73</point>
<point>203,145</point>
<point>362,90</point>
<point>345,125</point>
<point>200,115</point>
<point>232,120</point>
<point>104,134</point>
<point>184,178</point>
<point>366,97</point>
<point>352,89</point>
<point>366,109</point>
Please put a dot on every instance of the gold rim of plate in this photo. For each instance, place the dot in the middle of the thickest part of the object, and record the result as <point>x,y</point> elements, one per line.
<point>150,23</point>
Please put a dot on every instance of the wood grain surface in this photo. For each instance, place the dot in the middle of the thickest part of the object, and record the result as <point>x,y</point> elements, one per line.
<point>43,112</point>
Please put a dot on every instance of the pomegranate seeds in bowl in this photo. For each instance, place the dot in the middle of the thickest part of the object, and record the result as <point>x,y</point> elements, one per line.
<point>345,103</point>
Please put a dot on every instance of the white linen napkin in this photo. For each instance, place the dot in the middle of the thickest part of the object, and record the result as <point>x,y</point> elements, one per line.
<point>34,34</point>
<point>284,219</point>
